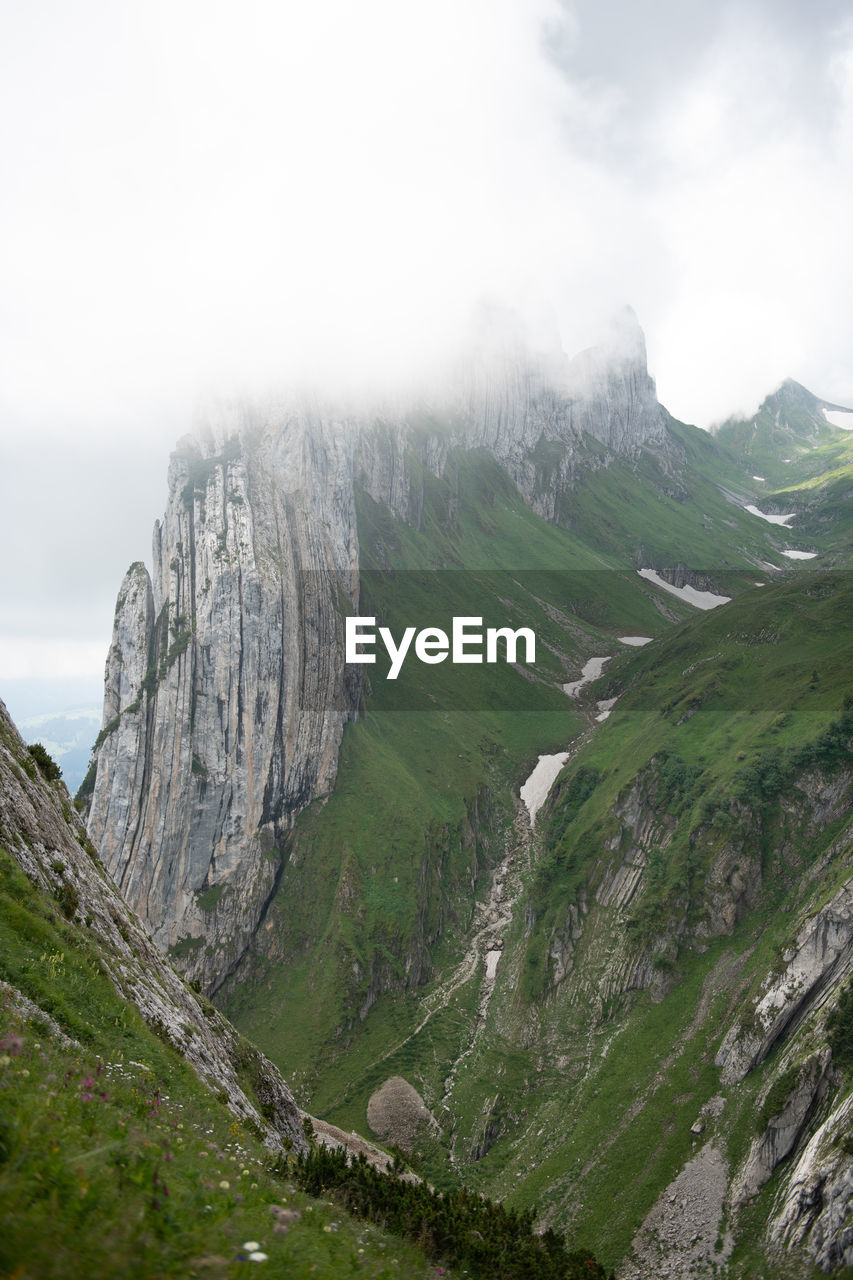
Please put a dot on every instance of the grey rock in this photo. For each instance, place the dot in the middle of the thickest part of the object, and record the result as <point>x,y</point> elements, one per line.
<point>397,1113</point>
<point>822,955</point>
<point>813,1207</point>
<point>784,1129</point>
<point>44,834</point>
<point>226,677</point>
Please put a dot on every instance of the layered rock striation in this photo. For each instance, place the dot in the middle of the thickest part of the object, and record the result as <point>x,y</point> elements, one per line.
<point>226,693</point>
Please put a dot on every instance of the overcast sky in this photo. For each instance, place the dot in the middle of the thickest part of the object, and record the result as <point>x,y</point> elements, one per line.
<point>201,193</point>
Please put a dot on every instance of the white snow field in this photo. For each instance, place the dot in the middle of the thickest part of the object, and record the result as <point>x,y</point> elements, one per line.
<point>700,599</point>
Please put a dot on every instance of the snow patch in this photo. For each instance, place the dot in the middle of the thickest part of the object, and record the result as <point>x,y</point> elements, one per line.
<point>604,708</point>
<point>492,958</point>
<point>753,511</point>
<point>699,599</point>
<point>534,793</point>
<point>635,640</point>
<point>590,671</point>
<point>800,555</point>
<point>762,479</point>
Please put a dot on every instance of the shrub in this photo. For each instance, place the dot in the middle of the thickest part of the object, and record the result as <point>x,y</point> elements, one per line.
<point>839,1028</point>
<point>48,768</point>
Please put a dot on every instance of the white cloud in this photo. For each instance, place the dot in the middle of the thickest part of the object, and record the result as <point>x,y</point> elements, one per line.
<point>201,192</point>
<point>241,193</point>
<point>29,656</point>
<point>753,202</point>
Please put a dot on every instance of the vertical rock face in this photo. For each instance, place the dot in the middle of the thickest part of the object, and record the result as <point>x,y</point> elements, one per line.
<point>226,692</point>
<point>517,404</point>
<point>225,689</point>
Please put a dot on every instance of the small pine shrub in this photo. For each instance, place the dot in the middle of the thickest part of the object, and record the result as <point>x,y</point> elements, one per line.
<point>48,768</point>
<point>839,1028</point>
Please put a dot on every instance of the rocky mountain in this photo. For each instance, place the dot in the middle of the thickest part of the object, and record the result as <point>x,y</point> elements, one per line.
<point>42,833</point>
<point>226,692</point>
<point>140,1133</point>
<point>627,1012</point>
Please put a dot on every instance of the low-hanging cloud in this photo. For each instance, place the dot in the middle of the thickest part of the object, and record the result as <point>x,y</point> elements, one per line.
<point>211,193</point>
<point>205,196</point>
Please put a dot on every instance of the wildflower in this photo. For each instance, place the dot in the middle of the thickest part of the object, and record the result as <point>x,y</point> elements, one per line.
<point>12,1043</point>
<point>251,1246</point>
<point>257,1256</point>
<point>224,1184</point>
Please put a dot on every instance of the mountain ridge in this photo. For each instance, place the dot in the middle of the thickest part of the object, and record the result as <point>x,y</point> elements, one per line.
<point>384,830</point>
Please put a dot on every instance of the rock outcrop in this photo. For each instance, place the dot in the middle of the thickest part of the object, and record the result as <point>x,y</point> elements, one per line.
<point>517,407</point>
<point>808,1084</point>
<point>813,1209</point>
<point>397,1113</point>
<point>226,692</point>
<point>43,833</point>
<point>822,955</point>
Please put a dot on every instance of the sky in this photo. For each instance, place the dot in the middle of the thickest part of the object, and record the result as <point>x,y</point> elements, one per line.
<point>204,196</point>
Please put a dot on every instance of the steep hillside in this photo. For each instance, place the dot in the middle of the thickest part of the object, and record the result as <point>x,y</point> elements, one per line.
<point>685,934</point>
<point>226,688</point>
<point>344,859</point>
<point>789,437</point>
<point>623,938</point>
<point>140,1134</point>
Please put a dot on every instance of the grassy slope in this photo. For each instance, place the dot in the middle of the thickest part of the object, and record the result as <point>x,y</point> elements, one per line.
<point>115,1161</point>
<point>537,1068</point>
<point>391,857</point>
<point>597,1059</point>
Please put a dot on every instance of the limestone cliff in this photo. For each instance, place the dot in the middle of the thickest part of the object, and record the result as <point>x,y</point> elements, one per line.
<point>225,689</point>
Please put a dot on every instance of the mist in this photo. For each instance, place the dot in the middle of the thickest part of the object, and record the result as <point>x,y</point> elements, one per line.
<point>208,199</point>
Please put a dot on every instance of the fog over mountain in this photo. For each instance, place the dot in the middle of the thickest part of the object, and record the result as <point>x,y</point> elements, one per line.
<point>216,197</point>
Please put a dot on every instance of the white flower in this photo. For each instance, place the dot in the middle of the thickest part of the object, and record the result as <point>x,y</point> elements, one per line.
<point>257,1256</point>
<point>251,1246</point>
